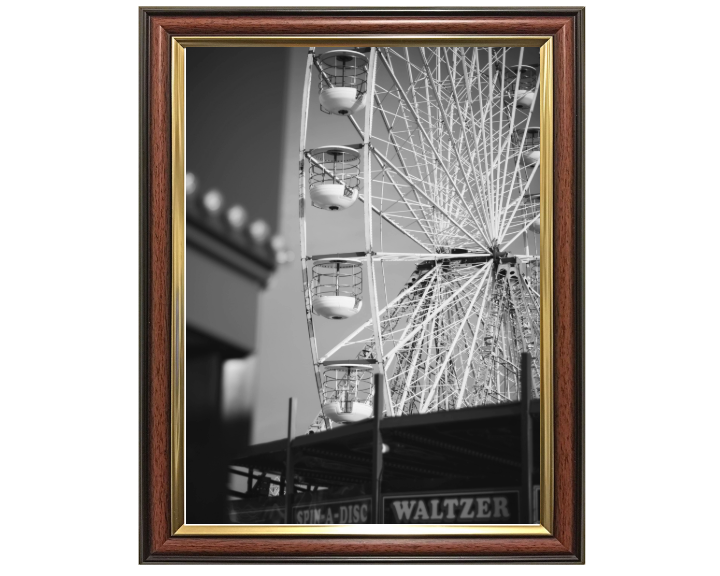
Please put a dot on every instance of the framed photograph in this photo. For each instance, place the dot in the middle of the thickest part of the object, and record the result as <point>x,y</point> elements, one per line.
<point>361,285</point>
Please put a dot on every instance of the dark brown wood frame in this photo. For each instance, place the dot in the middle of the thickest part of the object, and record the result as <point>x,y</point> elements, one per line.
<point>157,27</point>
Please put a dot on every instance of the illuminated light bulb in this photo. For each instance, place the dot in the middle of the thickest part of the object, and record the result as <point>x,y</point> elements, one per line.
<point>213,202</point>
<point>259,231</point>
<point>236,216</point>
<point>277,242</point>
<point>191,184</point>
<point>284,256</point>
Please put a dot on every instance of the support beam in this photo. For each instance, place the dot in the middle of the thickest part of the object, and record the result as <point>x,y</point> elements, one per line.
<point>526,439</point>
<point>376,505</point>
<point>289,463</point>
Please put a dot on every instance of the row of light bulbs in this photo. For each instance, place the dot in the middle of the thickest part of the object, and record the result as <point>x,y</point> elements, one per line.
<point>236,218</point>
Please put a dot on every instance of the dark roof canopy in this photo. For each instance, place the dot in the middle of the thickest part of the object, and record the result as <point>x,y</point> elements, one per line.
<point>468,448</point>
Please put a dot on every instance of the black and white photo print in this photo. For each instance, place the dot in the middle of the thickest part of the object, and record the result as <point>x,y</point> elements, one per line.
<point>363,285</point>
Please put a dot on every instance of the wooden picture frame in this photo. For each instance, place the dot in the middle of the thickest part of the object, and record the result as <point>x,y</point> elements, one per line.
<point>161,539</point>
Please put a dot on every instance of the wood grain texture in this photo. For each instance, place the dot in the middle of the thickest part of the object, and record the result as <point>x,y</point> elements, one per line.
<point>157,26</point>
<point>564,284</point>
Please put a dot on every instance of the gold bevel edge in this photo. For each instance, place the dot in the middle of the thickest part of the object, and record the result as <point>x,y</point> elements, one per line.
<point>177,362</point>
<point>177,476</point>
<point>362,40</point>
<point>547,485</point>
<point>363,530</point>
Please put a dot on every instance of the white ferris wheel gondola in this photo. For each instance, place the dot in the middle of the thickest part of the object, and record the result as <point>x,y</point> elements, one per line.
<point>531,146</point>
<point>343,81</point>
<point>526,85</point>
<point>347,394</point>
<point>334,177</point>
<point>336,288</point>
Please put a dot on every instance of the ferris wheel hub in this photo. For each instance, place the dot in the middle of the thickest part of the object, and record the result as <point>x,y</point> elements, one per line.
<point>500,257</point>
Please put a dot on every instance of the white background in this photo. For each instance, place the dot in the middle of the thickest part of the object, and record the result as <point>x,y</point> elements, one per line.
<point>69,234</point>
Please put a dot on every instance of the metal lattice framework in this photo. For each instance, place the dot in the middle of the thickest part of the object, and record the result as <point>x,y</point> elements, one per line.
<point>449,160</point>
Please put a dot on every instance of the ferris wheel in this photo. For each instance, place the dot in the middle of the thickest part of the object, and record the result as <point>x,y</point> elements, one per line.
<point>445,159</point>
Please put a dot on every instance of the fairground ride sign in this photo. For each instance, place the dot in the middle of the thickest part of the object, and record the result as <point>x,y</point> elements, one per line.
<point>355,511</point>
<point>488,507</point>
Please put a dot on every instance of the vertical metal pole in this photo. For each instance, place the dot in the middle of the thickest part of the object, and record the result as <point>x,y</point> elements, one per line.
<point>289,464</point>
<point>526,439</point>
<point>376,505</point>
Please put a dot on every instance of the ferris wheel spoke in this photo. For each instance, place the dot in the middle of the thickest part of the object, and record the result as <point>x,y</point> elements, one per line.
<point>477,162</point>
<point>519,233</point>
<point>484,226</point>
<point>439,309</point>
<point>429,278</point>
<point>429,199</point>
<point>420,237</point>
<point>525,220</point>
<point>484,158</point>
<point>471,352</point>
<point>491,136</point>
<point>466,117</point>
<point>405,58</point>
<point>475,258</point>
<point>458,332</point>
<point>420,305</point>
<point>419,152</point>
<point>386,163</point>
<point>497,110</point>
<point>511,126</point>
<point>494,115</point>
<point>419,171</point>
<point>406,389</point>
<point>522,195</point>
<point>427,347</point>
<point>524,208</point>
<point>519,163</point>
<point>427,138</point>
<point>414,91</point>
<point>501,107</point>
<point>384,215</point>
<point>393,139</point>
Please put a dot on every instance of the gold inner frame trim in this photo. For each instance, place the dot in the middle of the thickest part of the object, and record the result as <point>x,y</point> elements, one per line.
<point>177,353</point>
<point>177,395</point>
